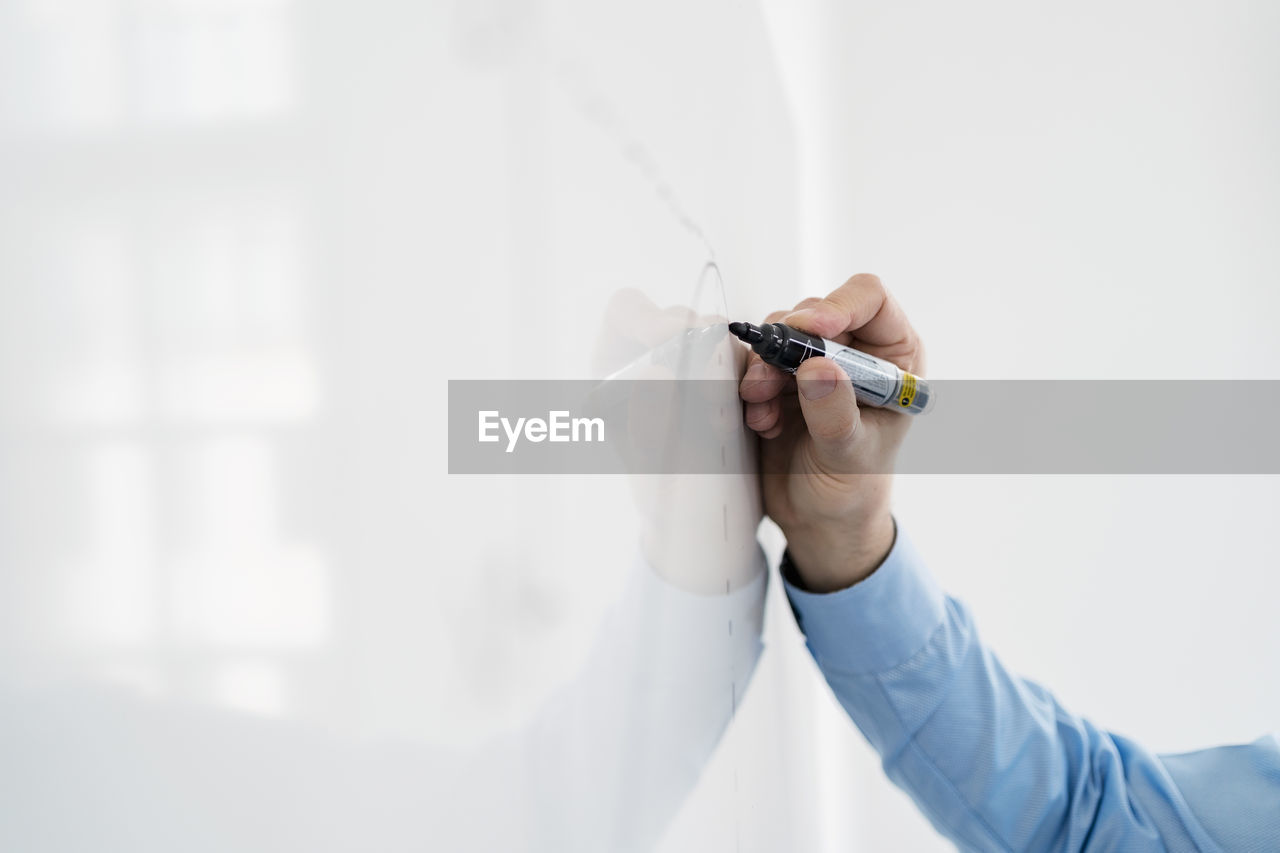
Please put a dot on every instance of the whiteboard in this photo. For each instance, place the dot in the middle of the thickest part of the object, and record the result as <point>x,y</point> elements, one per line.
<point>246,244</point>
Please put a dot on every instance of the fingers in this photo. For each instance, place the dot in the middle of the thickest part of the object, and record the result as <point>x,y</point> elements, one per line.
<point>763,381</point>
<point>859,309</point>
<point>764,417</point>
<point>761,389</point>
<point>862,306</point>
<point>830,410</point>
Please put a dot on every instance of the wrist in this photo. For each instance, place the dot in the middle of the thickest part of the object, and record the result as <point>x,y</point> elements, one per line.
<point>835,556</point>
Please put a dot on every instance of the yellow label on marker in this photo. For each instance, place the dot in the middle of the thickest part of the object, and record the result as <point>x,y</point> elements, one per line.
<point>908,390</point>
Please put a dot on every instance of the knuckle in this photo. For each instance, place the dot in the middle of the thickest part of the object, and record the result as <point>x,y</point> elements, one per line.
<point>867,280</point>
<point>862,285</point>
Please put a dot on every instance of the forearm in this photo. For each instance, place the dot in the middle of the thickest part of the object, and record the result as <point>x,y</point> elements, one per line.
<point>993,760</point>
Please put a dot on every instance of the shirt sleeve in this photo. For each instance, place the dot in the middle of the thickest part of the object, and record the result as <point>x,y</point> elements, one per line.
<point>993,760</point>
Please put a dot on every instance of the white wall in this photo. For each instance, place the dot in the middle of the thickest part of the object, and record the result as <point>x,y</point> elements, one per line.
<point>1078,191</point>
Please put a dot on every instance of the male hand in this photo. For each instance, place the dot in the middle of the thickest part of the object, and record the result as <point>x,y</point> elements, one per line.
<point>826,464</point>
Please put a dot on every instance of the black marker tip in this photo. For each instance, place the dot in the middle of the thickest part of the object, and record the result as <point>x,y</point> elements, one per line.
<point>748,332</point>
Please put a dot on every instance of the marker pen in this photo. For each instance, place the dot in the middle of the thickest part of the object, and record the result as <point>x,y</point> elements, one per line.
<point>876,382</point>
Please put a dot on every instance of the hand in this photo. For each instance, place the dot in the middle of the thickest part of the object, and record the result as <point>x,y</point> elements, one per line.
<point>826,465</point>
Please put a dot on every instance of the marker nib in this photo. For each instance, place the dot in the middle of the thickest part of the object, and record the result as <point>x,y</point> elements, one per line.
<point>746,332</point>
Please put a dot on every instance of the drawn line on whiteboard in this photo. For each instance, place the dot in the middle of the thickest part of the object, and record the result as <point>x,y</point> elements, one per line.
<point>709,270</point>
<point>708,276</point>
<point>599,110</point>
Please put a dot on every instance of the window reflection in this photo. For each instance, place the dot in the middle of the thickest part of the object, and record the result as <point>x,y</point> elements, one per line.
<point>90,273</point>
<point>252,685</point>
<point>110,598</point>
<point>212,60</point>
<point>99,65</point>
<point>226,280</point>
<point>163,330</point>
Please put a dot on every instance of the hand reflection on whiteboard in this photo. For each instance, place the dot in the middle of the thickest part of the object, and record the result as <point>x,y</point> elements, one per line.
<point>697,530</point>
<point>678,651</point>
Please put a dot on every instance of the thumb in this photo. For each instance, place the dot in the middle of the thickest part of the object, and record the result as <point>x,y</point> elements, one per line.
<point>830,412</point>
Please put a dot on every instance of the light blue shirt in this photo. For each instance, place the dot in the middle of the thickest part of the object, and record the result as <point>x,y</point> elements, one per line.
<point>993,760</point>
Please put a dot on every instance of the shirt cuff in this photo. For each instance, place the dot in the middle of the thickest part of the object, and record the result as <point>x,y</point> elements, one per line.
<point>876,624</point>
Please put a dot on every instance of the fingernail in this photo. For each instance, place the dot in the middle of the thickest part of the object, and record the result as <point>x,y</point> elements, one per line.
<point>818,387</point>
<point>756,373</point>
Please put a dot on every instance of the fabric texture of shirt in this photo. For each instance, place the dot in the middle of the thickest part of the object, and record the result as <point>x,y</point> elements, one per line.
<point>993,760</point>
